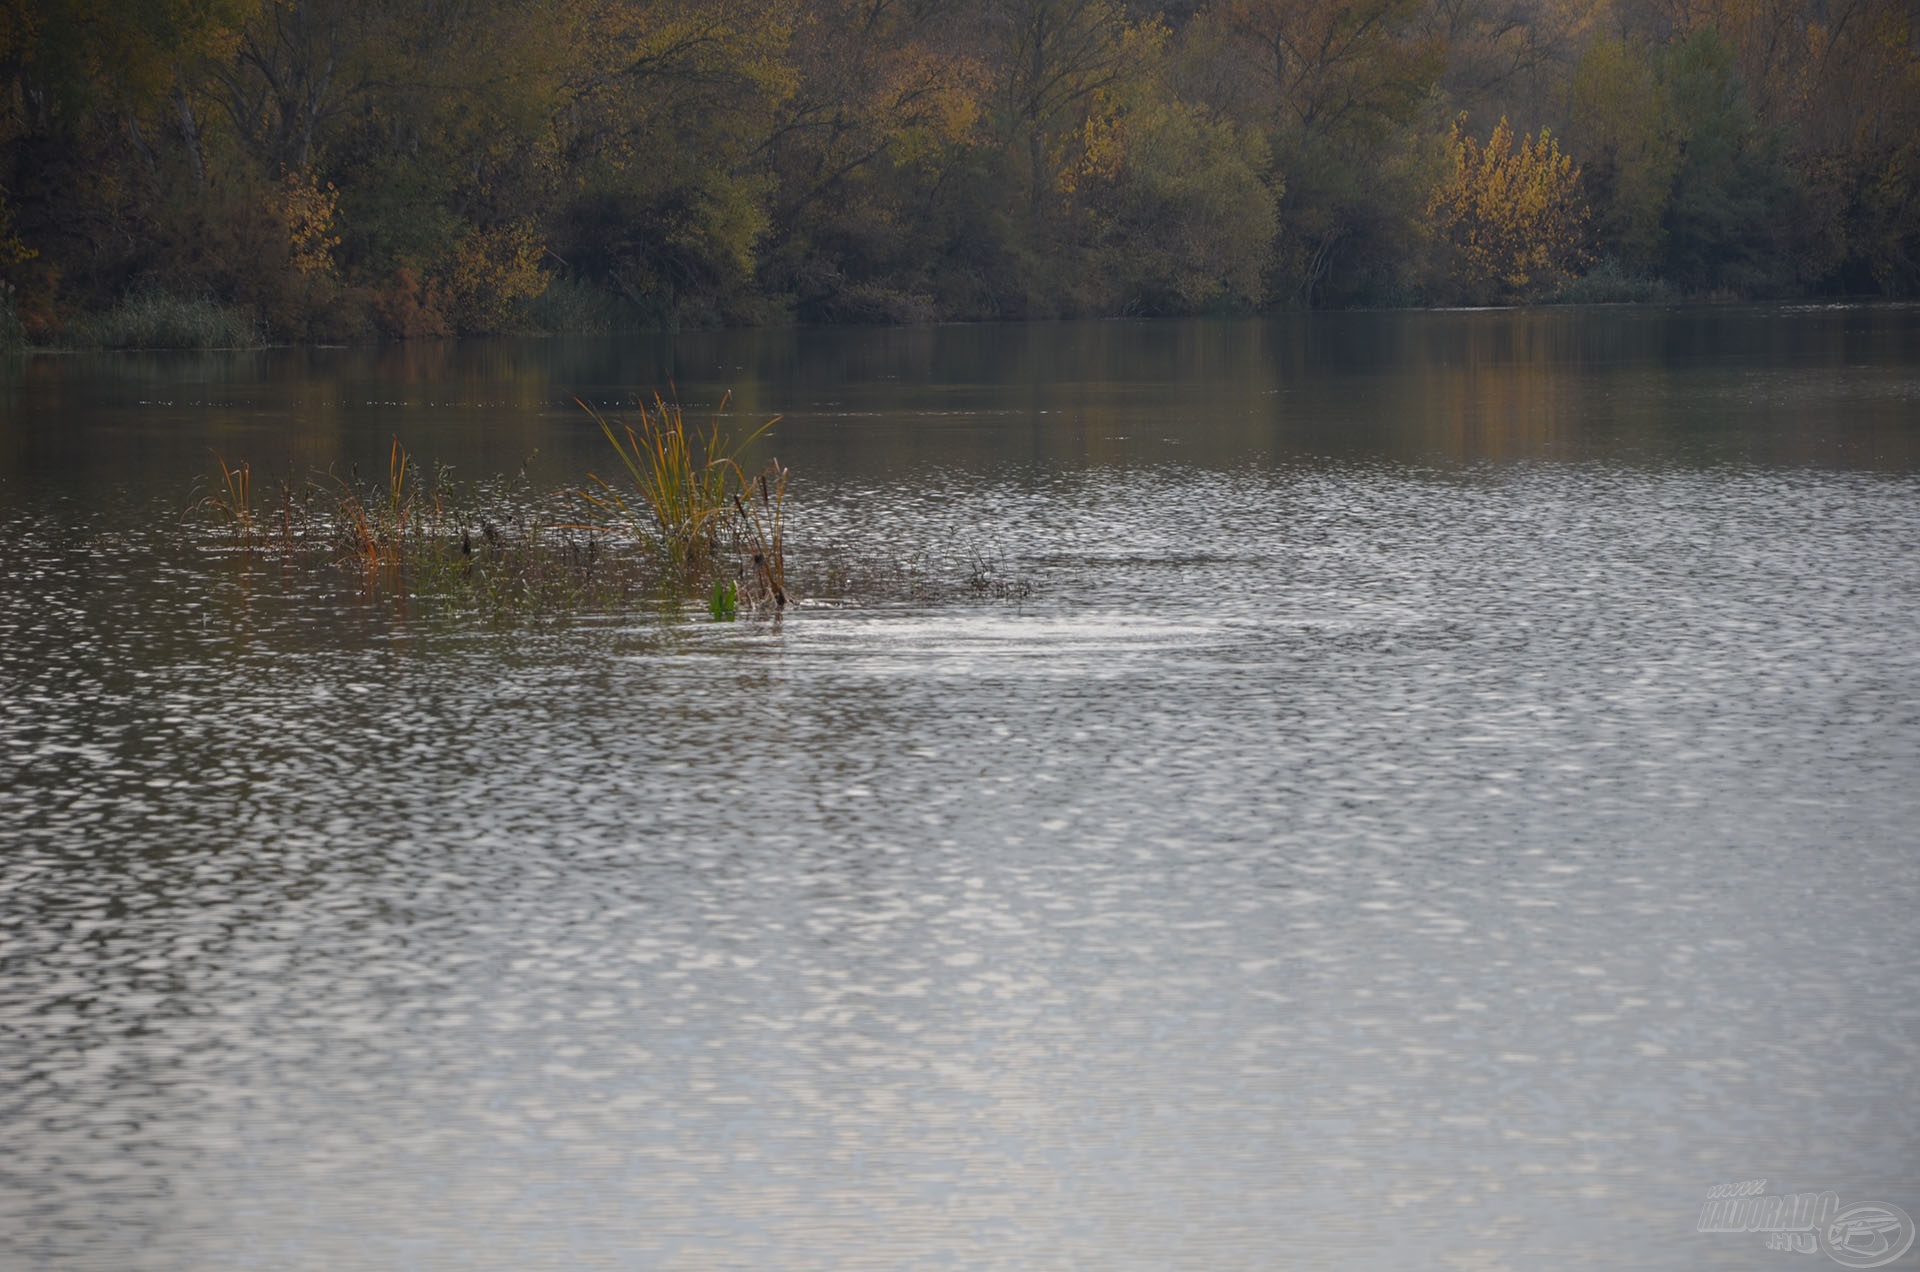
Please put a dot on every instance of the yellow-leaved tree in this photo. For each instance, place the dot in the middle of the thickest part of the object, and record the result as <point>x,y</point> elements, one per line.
<point>1508,217</point>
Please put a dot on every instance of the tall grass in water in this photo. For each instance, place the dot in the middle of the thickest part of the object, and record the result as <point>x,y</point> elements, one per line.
<point>501,547</point>
<point>424,538</point>
<point>699,527</point>
<point>376,536</point>
<point>232,503</point>
<point>685,483</point>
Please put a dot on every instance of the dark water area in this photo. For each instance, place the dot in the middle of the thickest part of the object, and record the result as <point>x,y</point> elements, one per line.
<point>1829,386</point>
<point>1447,800</point>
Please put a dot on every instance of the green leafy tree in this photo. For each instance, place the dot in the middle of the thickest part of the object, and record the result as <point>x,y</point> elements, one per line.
<point>1731,209</point>
<point>888,107</point>
<point>1622,123</point>
<point>1338,86</point>
<point>664,200</point>
<point>1185,215</point>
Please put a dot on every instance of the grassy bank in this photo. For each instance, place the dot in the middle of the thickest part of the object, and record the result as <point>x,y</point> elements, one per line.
<point>157,320</point>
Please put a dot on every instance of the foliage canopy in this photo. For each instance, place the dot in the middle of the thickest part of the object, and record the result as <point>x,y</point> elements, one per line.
<point>336,169</point>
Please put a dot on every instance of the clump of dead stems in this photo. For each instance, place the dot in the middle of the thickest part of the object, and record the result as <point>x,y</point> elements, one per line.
<point>494,546</point>
<point>763,525</point>
<point>380,529</point>
<point>232,502</point>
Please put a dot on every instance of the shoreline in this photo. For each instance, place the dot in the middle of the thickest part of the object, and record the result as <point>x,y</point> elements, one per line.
<point>1675,303</point>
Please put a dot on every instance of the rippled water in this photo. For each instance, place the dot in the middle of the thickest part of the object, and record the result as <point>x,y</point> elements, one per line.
<point>1452,838</point>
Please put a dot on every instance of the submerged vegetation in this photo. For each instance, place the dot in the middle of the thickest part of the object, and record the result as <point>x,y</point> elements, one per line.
<point>689,526</point>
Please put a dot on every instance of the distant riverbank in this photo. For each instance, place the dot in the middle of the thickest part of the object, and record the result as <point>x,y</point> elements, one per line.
<point>157,321</point>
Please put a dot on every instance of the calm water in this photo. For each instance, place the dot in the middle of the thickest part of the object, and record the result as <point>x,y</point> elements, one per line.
<point>1449,801</point>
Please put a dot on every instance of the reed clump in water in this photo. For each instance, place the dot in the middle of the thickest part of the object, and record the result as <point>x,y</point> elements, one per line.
<point>762,524</point>
<point>692,526</point>
<point>495,546</point>
<point>231,502</point>
<point>380,530</point>
<point>692,502</point>
<point>688,527</point>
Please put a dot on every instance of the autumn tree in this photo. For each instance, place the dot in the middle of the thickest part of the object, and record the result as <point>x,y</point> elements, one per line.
<point>1796,124</point>
<point>291,71</point>
<point>1508,216</point>
<point>887,106</point>
<point>101,127</point>
<point>1348,69</point>
<point>1855,141</point>
<point>1054,56</point>
<point>1338,86</point>
<point>1510,56</point>
<point>340,168</point>
<point>1012,236</point>
<point>665,200</point>
<point>1184,208</point>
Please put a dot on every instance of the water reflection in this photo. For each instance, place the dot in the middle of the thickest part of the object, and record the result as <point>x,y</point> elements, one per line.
<point>1345,859</point>
<point>1835,387</point>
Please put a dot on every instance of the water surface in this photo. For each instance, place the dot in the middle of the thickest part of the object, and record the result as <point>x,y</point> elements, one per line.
<point>1447,801</point>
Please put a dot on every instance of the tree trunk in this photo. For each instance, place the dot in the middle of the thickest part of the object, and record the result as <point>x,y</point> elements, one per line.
<point>190,136</point>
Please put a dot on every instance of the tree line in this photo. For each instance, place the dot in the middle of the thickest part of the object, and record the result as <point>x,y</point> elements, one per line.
<point>339,169</point>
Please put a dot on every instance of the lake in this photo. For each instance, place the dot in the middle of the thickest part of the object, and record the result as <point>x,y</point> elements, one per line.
<point>1442,794</point>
